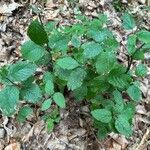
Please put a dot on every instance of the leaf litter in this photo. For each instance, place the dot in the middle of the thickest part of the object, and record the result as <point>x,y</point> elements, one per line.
<point>74,130</point>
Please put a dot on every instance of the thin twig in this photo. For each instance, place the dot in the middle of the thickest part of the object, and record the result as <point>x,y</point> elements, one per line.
<point>40,18</point>
<point>12,82</point>
<point>144,139</point>
<point>130,59</point>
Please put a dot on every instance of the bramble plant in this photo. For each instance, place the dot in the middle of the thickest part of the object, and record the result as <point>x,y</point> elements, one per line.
<point>80,60</point>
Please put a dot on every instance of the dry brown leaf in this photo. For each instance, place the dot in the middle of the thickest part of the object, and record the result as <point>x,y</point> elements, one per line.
<point>119,140</point>
<point>13,146</point>
<point>7,9</point>
<point>50,4</point>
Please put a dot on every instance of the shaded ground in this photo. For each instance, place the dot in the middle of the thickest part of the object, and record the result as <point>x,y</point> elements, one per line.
<point>74,132</point>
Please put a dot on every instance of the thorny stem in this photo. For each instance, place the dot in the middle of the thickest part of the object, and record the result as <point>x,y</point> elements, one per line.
<point>130,59</point>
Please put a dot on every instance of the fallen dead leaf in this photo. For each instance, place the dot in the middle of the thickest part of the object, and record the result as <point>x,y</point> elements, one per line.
<point>13,146</point>
<point>7,9</point>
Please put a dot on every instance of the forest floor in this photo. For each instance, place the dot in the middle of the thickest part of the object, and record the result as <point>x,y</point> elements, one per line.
<point>74,131</point>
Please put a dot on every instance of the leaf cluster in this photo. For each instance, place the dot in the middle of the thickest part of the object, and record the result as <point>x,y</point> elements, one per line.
<point>81,58</point>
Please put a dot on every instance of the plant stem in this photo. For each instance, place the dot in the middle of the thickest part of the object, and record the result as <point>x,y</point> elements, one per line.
<point>130,59</point>
<point>40,18</point>
<point>12,82</point>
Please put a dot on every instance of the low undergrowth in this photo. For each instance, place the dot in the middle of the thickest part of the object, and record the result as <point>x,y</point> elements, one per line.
<point>81,59</point>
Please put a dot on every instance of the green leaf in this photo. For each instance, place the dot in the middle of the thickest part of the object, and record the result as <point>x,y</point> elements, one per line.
<point>144,36</point>
<point>9,97</point>
<point>76,78</point>
<point>128,21</point>
<point>59,99</point>
<point>20,71</point>
<point>23,113</point>
<point>62,74</point>
<point>139,55</point>
<point>129,111</point>
<point>119,106</point>
<point>102,133</point>
<point>146,48</point>
<point>49,87</point>
<point>50,26</point>
<point>118,78</point>
<point>4,75</point>
<point>97,85</point>
<point>31,93</point>
<point>67,63</point>
<point>134,92</point>
<point>105,62</point>
<point>50,125</point>
<point>37,33</point>
<point>28,82</point>
<point>91,49</point>
<point>99,36</point>
<point>75,41</point>
<point>31,51</point>
<point>47,76</point>
<point>80,93</point>
<point>46,104</point>
<point>102,115</point>
<point>110,44</point>
<point>131,44</point>
<point>122,125</point>
<point>59,42</point>
<point>141,70</point>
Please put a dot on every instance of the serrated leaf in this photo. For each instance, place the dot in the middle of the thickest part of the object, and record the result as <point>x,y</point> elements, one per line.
<point>117,96</point>
<point>47,76</point>
<point>9,97</point>
<point>99,36</point>
<point>20,71</point>
<point>49,87</point>
<point>4,75</point>
<point>118,79</point>
<point>110,44</point>
<point>76,78</point>
<point>50,125</point>
<point>23,113</point>
<point>131,44</point>
<point>119,106</point>
<point>75,41</point>
<point>62,74</point>
<point>37,33</point>
<point>139,55</point>
<point>128,21</point>
<point>59,99</point>
<point>144,36</point>
<point>97,85</point>
<point>50,26</point>
<point>91,49</point>
<point>105,62</point>
<point>122,125</point>
<point>31,51</point>
<point>59,42</point>
<point>146,48</point>
<point>102,133</point>
<point>102,115</point>
<point>80,93</point>
<point>94,24</point>
<point>141,70</point>
<point>31,93</point>
<point>46,104</point>
<point>129,111</point>
<point>67,63</point>
<point>134,92</point>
